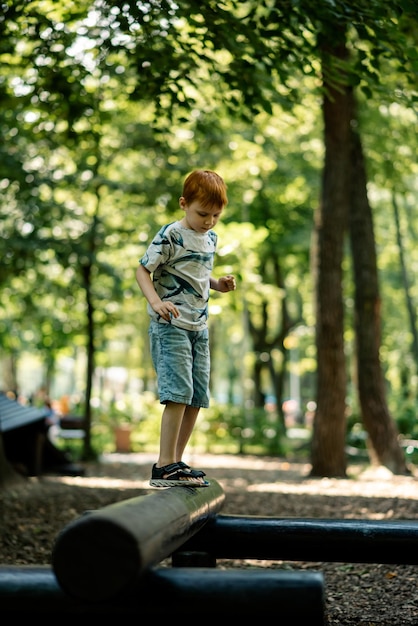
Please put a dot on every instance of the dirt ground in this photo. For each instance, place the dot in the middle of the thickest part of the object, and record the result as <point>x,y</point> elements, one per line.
<point>360,594</point>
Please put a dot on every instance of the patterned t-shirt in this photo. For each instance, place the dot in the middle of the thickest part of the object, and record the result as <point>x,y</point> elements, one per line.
<point>181,261</point>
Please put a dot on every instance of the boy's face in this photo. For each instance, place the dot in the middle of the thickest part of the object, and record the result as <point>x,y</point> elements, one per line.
<point>198,218</point>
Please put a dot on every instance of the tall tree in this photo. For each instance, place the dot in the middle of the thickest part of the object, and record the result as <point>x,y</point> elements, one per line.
<point>329,432</point>
<point>384,447</point>
<point>352,207</point>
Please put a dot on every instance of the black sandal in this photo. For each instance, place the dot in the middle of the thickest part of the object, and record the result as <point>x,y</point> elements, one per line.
<point>194,472</point>
<point>174,475</point>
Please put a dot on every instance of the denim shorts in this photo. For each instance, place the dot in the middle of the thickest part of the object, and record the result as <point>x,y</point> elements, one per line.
<point>182,362</point>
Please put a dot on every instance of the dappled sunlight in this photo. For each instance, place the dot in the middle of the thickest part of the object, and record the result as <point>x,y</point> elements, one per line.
<point>100,482</point>
<point>406,487</point>
<point>247,473</point>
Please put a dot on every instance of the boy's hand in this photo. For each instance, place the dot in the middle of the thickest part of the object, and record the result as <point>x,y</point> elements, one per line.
<point>166,310</point>
<point>227,283</point>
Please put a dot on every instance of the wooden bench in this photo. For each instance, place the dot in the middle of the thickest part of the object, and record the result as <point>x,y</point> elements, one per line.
<point>68,428</point>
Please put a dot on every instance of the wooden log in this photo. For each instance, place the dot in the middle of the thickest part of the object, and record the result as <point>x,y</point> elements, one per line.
<point>294,597</point>
<point>323,540</point>
<point>102,553</point>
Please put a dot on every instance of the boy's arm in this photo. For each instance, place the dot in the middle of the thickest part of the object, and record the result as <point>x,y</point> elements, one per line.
<point>164,308</point>
<point>223,284</point>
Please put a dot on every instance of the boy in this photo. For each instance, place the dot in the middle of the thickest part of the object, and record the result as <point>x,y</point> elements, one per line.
<point>180,259</point>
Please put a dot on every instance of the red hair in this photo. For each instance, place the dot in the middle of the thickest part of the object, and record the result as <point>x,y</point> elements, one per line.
<point>207,187</point>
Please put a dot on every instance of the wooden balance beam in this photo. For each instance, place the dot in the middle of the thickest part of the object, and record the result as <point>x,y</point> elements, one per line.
<point>293,539</point>
<point>104,564</point>
<point>104,552</point>
<point>170,593</point>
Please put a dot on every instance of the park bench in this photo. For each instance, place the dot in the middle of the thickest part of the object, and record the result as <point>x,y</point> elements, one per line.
<point>26,445</point>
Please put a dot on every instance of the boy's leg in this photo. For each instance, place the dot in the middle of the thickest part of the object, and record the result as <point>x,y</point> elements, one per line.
<point>173,474</point>
<point>186,429</point>
<point>171,423</point>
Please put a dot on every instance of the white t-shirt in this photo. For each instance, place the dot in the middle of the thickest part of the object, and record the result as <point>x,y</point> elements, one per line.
<point>181,261</point>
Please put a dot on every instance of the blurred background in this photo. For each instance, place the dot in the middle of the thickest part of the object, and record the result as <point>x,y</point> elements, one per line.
<point>105,109</point>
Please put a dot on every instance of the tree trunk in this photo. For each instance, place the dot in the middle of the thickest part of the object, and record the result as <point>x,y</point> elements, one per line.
<point>384,448</point>
<point>329,428</point>
<point>412,312</point>
<point>88,452</point>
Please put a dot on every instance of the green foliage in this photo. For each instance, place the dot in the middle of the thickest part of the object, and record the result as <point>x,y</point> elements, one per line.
<point>244,431</point>
<point>222,428</point>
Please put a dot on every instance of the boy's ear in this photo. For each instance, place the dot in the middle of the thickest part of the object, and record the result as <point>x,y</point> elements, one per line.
<point>182,202</point>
